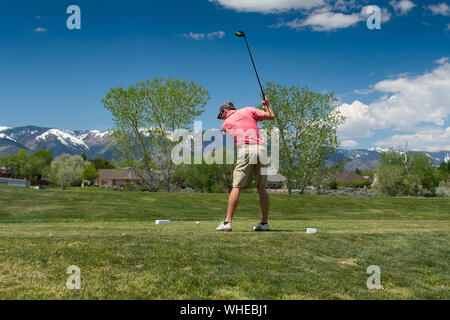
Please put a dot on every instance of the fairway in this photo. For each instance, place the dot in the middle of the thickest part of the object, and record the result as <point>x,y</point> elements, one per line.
<point>122,254</point>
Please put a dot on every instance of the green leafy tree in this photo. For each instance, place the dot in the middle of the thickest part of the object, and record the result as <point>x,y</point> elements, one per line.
<point>102,163</point>
<point>66,170</point>
<point>24,165</point>
<point>307,123</point>
<point>38,165</point>
<point>401,172</point>
<point>21,160</point>
<point>443,171</point>
<point>9,162</point>
<point>423,173</point>
<point>90,173</point>
<point>145,115</point>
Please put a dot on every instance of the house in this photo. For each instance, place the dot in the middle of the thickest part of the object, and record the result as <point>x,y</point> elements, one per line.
<point>119,177</point>
<point>276,181</point>
<point>349,176</point>
<point>14,182</point>
<point>4,173</point>
<point>116,177</point>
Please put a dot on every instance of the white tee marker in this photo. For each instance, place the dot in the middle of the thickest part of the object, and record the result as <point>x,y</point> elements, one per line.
<point>162,221</point>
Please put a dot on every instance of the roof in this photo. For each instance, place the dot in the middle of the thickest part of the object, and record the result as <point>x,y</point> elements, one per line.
<point>118,174</point>
<point>277,177</point>
<point>349,176</point>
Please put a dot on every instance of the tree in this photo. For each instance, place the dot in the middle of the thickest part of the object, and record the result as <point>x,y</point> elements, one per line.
<point>146,114</point>
<point>444,171</point>
<point>307,123</point>
<point>67,169</point>
<point>21,160</point>
<point>9,161</point>
<point>422,171</point>
<point>390,172</point>
<point>405,173</point>
<point>90,173</point>
<point>102,163</point>
<point>38,165</point>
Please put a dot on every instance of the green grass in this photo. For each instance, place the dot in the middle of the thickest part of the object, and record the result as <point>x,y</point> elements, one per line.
<point>122,254</point>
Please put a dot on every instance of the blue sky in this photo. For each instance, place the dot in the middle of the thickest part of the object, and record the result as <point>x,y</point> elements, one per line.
<point>393,83</point>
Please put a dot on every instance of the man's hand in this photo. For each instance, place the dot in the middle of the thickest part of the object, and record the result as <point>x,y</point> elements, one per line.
<point>268,114</point>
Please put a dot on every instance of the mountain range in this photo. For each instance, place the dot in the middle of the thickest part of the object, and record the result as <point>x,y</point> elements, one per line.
<point>95,143</point>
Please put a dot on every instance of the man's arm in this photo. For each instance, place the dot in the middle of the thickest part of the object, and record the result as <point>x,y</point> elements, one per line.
<point>268,112</point>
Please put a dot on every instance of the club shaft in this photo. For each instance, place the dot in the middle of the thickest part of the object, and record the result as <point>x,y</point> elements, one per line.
<point>254,67</point>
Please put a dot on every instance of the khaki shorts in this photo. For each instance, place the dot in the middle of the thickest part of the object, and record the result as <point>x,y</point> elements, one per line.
<point>248,164</point>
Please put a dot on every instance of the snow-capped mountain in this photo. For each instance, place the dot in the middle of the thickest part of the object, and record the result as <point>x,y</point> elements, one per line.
<point>95,143</point>
<point>31,138</point>
<point>368,158</point>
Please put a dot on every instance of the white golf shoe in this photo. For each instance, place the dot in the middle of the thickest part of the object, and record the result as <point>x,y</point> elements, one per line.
<point>224,227</point>
<point>262,227</point>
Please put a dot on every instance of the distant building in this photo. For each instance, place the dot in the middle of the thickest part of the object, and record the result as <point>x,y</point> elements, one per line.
<point>349,176</point>
<point>276,181</point>
<point>119,177</point>
<point>14,182</point>
<point>4,173</point>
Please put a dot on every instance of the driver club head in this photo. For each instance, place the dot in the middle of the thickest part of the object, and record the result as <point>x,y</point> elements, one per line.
<point>240,34</point>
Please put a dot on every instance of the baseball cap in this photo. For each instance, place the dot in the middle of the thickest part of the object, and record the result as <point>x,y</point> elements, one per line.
<point>226,105</point>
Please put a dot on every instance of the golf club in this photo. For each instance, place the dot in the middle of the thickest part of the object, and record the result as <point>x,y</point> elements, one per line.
<point>241,34</point>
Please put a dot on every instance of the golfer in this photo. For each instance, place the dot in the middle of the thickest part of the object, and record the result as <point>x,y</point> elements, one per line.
<point>242,126</point>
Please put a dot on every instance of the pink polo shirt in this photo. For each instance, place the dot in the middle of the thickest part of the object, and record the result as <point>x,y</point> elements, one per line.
<point>241,125</point>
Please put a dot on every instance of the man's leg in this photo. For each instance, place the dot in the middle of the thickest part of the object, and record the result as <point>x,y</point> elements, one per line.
<point>264,203</point>
<point>233,201</point>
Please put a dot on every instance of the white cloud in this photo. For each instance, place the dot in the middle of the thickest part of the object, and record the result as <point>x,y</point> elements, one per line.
<point>323,21</point>
<point>402,7</point>
<point>349,144</point>
<point>345,5</point>
<point>408,103</point>
<point>441,60</point>
<point>442,9</point>
<point>367,11</point>
<point>428,139</point>
<point>40,29</point>
<point>359,121</point>
<point>269,6</point>
<point>208,36</point>
<point>363,91</point>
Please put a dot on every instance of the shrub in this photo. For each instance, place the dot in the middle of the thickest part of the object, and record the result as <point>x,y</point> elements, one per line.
<point>353,184</point>
<point>218,188</point>
<point>443,190</point>
<point>333,184</point>
<point>130,186</point>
